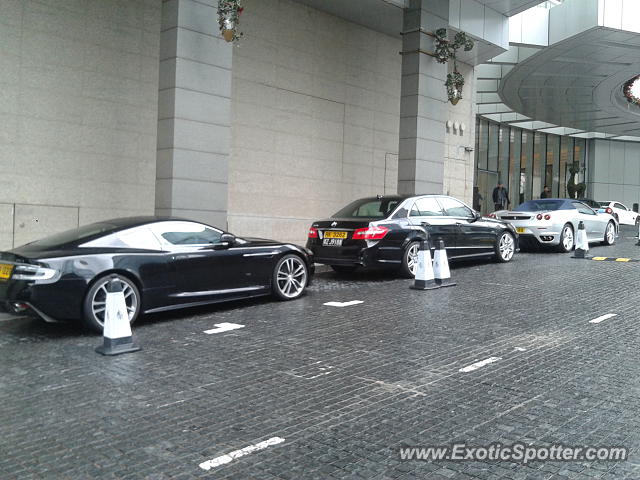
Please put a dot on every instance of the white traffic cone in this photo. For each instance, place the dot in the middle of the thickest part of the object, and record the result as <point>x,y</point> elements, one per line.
<point>117,329</point>
<point>441,266</point>
<point>582,244</point>
<point>424,279</point>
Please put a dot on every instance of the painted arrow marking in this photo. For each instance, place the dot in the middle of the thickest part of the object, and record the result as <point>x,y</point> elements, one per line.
<point>603,318</point>
<point>230,457</point>
<point>343,304</point>
<point>223,327</point>
<point>477,365</point>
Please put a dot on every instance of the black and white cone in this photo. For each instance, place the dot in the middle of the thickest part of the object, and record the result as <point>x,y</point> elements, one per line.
<point>582,244</point>
<point>117,334</point>
<point>424,279</point>
<point>441,266</point>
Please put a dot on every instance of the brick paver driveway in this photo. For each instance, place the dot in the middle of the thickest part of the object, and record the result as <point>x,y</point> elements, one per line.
<point>306,390</point>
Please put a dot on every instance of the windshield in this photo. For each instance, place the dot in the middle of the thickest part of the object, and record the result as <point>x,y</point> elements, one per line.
<point>73,235</point>
<point>369,208</point>
<point>541,205</point>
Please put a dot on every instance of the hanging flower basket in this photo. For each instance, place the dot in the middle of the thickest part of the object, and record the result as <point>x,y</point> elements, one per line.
<point>445,51</point>
<point>454,84</point>
<point>228,19</point>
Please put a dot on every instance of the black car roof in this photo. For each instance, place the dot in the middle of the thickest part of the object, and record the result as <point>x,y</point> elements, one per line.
<point>127,222</point>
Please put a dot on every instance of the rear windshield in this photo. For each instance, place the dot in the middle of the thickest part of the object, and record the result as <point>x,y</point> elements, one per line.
<point>604,204</point>
<point>369,208</point>
<point>537,205</point>
<point>74,235</point>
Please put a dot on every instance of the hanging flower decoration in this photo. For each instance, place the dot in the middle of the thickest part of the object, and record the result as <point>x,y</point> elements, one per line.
<point>454,84</point>
<point>629,91</point>
<point>228,19</point>
<point>445,51</point>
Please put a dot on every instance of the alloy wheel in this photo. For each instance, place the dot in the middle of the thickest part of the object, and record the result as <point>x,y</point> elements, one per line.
<point>412,258</point>
<point>291,277</point>
<point>99,299</point>
<point>567,238</point>
<point>506,247</point>
<point>610,234</point>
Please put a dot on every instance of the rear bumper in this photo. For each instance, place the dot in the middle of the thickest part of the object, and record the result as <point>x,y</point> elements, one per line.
<point>377,255</point>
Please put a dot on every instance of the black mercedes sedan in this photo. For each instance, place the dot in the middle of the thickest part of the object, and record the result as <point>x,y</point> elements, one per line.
<point>161,264</point>
<point>386,231</point>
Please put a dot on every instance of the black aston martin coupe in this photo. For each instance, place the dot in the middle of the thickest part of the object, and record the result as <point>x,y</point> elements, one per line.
<point>161,264</point>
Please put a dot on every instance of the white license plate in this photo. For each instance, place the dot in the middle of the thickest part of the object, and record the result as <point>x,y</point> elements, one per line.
<point>332,242</point>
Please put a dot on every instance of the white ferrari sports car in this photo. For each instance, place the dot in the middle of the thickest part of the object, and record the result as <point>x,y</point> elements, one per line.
<point>621,213</point>
<point>554,221</point>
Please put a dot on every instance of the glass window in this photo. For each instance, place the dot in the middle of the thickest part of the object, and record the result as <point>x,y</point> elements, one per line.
<point>543,205</point>
<point>493,148</point>
<point>503,155</point>
<point>526,165</point>
<point>185,233</point>
<point>579,157</point>
<point>369,208</point>
<point>455,208</point>
<point>137,237</point>
<point>483,144</point>
<point>582,208</point>
<point>552,168</point>
<point>566,159</point>
<point>426,207</point>
<point>539,153</point>
<point>620,206</point>
<point>515,145</point>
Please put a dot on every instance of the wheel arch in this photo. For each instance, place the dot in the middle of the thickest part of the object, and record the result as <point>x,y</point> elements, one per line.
<point>298,253</point>
<point>116,271</point>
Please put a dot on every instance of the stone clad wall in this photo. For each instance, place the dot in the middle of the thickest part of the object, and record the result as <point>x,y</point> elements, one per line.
<point>315,118</point>
<point>78,113</point>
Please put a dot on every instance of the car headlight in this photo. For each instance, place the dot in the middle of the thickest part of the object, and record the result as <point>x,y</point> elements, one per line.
<point>36,274</point>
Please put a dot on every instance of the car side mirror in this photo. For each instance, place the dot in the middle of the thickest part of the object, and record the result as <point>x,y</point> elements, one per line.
<point>227,240</point>
<point>476,216</point>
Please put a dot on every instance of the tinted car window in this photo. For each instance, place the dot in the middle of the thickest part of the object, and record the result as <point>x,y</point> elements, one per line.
<point>604,204</point>
<point>426,207</point>
<point>185,233</point>
<point>582,208</point>
<point>455,208</point>
<point>620,206</point>
<point>536,205</point>
<point>137,237</point>
<point>369,208</point>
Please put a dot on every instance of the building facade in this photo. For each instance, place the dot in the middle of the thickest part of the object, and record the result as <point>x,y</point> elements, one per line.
<point>136,107</point>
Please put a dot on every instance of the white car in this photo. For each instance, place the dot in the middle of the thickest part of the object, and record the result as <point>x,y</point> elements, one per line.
<point>555,221</point>
<point>622,214</point>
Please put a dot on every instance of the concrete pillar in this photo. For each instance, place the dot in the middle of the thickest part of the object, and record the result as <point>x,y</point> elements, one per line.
<point>194,113</point>
<point>423,107</point>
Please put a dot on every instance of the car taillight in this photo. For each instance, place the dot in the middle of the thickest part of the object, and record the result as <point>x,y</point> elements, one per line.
<point>492,215</point>
<point>313,233</point>
<point>547,217</point>
<point>37,274</point>
<point>539,216</point>
<point>609,210</point>
<point>370,233</point>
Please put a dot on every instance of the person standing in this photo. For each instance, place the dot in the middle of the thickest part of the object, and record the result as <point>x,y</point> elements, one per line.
<point>546,192</point>
<point>477,199</point>
<point>501,197</point>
